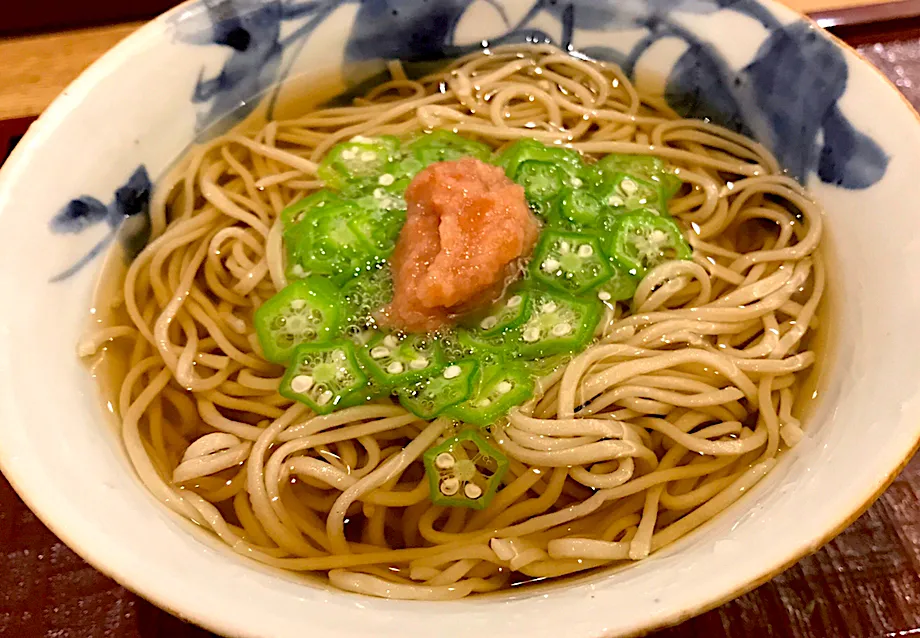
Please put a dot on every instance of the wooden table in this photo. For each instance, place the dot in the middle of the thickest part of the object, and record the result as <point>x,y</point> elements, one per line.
<point>863,584</point>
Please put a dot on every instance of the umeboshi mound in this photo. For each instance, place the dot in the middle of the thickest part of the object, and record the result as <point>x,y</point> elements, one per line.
<point>466,223</point>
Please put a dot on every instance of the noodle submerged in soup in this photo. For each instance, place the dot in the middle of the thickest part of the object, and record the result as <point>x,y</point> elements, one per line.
<point>510,320</point>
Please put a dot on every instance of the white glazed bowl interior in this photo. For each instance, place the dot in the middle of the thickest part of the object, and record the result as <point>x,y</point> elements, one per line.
<point>60,452</point>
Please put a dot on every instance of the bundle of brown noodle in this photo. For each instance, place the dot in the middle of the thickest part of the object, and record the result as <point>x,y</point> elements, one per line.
<point>685,399</point>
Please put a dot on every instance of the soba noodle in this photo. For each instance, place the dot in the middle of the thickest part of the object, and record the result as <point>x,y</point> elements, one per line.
<point>680,406</point>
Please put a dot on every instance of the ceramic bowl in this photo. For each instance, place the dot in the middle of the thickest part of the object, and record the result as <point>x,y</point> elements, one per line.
<point>81,179</point>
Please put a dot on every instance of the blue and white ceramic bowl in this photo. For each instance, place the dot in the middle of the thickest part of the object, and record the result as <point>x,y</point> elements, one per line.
<point>81,179</point>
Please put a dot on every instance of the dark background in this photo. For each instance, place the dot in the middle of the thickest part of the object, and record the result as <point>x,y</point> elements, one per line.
<point>27,16</point>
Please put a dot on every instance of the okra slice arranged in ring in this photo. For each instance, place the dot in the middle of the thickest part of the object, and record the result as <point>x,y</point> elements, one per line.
<point>487,350</point>
<point>431,396</point>
<point>542,181</point>
<point>307,310</point>
<point>444,146</point>
<point>366,393</point>
<point>501,316</point>
<point>500,386</point>
<point>571,262</point>
<point>350,164</point>
<point>581,208</point>
<point>621,285</point>
<point>464,471</point>
<point>364,296</point>
<point>380,217</point>
<point>393,360</point>
<point>523,150</point>
<point>323,376</point>
<point>326,243</point>
<point>642,240</point>
<point>627,193</point>
<point>301,209</point>
<point>645,167</point>
<point>558,323</point>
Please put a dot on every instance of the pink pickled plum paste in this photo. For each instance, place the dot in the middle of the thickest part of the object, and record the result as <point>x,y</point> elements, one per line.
<point>466,223</point>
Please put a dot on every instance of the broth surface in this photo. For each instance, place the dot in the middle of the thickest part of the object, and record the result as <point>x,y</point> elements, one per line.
<point>614,457</point>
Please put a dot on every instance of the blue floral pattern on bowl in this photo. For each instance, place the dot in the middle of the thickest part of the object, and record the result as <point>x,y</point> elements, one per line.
<point>127,216</point>
<point>787,96</point>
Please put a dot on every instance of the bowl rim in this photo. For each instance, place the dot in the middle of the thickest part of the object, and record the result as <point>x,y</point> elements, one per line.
<point>187,610</point>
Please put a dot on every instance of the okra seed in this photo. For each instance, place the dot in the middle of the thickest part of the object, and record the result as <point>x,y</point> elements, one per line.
<point>325,397</point>
<point>449,486</point>
<point>418,364</point>
<point>531,334</point>
<point>301,383</point>
<point>386,180</point>
<point>504,387</point>
<point>472,490</point>
<point>395,367</point>
<point>298,304</point>
<point>368,156</point>
<point>629,187</point>
<point>561,329</point>
<point>549,306</point>
<point>515,301</point>
<point>564,247</point>
<point>452,372</point>
<point>488,323</point>
<point>603,295</point>
<point>379,193</point>
<point>390,341</point>
<point>550,265</point>
<point>349,154</point>
<point>444,461</point>
<point>360,139</point>
<point>379,352</point>
<point>615,200</point>
<point>585,250</point>
<point>577,183</point>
